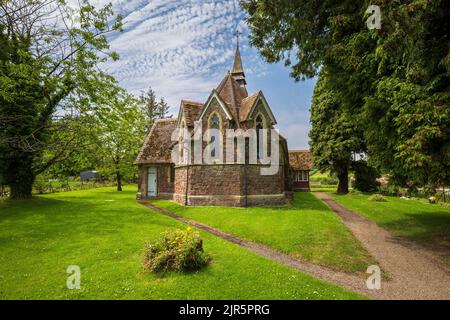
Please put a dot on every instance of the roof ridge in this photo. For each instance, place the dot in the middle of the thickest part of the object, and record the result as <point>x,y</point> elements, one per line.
<point>252,95</point>
<point>165,119</point>
<point>192,102</point>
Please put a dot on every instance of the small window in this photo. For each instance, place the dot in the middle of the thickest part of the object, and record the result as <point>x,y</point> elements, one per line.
<point>305,176</point>
<point>301,175</point>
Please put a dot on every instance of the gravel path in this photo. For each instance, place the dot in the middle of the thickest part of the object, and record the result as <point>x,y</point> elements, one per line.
<point>414,272</point>
<point>389,290</point>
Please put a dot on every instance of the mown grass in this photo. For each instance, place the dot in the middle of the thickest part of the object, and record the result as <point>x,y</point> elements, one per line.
<point>428,224</point>
<point>305,229</point>
<point>103,232</point>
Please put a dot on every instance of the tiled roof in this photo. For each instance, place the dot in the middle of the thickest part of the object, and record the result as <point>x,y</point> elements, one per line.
<point>157,145</point>
<point>247,105</point>
<point>300,159</point>
<point>191,111</point>
<point>232,94</point>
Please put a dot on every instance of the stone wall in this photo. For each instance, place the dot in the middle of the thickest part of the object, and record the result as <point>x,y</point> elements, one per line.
<point>228,185</point>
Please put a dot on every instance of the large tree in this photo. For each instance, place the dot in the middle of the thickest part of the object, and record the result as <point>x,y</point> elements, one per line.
<point>50,52</point>
<point>152,109</point>
<point>396,79</point>
<point>336,135</point>
<point>120,130</point>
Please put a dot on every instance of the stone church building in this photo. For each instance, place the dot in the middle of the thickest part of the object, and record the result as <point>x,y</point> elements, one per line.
<point>229,106</point>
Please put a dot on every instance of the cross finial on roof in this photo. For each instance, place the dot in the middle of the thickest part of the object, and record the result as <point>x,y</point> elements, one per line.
<point>237,34</point>
<point>238,70</point>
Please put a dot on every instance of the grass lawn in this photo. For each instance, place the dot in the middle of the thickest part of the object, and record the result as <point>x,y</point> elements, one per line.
<point>323,189</point>
<point>103,232</point>
<point>414,219</point>
<point>306,229</point>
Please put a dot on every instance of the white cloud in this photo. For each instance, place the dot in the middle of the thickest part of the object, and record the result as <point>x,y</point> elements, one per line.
<point>182,49</point>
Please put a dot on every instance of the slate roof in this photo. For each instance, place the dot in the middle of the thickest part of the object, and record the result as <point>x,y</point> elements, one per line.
<point>157,145</point>
<point>191,111</point>
<point>232,94</point>
<point>300,159</point>
<point>246,106</point>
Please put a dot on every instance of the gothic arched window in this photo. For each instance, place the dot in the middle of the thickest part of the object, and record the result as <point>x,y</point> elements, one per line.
<point>214,123</point>
<point>259,136</point>
<point>181,141</point>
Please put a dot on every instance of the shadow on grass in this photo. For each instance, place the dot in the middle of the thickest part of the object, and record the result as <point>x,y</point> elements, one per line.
<point>75,217</point>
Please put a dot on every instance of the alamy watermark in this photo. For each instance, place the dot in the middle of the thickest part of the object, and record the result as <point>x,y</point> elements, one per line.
<point>373,282</point>
<point>374,20</point>
<point>74,278</point>
<point>232,146</point>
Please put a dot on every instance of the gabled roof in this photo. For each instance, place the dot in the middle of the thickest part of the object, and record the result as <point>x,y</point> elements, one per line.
<point>232,94</point>
<point>191,111</point>
<point>225,107</point>
<point>156,148</point>
<point>300,159</point>
<point>248,105</point>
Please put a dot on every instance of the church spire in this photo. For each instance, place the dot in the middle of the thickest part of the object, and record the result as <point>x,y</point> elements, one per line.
<point>238,71</point>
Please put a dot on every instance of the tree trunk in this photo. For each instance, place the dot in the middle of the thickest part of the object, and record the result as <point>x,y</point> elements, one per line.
<point>343,181</point>
<point>20,178</point>
<point>119,181</point>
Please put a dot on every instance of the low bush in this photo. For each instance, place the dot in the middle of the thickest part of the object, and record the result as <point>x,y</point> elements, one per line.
<point>390,190</point>
<point>179,250</point>
<point>377,198</point>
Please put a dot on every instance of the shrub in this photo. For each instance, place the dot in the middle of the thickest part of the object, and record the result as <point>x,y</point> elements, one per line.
<point>390,190</point>
<point>365,177</point>
<point>377,198</point>
<point>179,250</point>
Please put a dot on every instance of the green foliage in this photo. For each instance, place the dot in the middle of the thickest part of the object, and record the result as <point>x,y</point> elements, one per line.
<point>50,52</point>
<point>335,135</point>
<point>42,184</point>
<point>151,108</point>
<point>389,190</point>
<point>179,250</point>
<point>377,198</point>
<point>365,177</point>
<point>394,81</point>
<point>323,179</point>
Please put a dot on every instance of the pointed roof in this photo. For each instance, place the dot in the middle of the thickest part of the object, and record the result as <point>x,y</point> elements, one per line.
<point>248,106</point>
<point>232,94</point>
<point>238,70</point>
<point>237,65</point>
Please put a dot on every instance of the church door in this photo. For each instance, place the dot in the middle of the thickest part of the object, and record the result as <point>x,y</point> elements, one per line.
<point>152,185</point>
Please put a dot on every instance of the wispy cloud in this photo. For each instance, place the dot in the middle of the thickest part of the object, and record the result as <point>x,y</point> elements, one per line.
<point>181,49</point>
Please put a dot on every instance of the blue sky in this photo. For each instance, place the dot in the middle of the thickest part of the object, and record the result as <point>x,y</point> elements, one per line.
<point>183,49</point>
